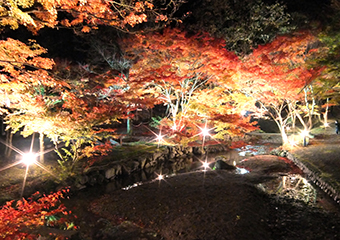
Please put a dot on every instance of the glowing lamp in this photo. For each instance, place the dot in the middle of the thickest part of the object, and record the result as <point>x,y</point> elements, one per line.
<point>28,158</point>
<point>160,177</point>
<point>205,165</point>
<point>159,137</point>
<point>205,131</point>
<point>174,127</point>
<point>304,133</point>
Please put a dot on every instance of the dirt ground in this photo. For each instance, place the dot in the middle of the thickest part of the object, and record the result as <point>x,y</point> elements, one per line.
<point>204,205</point>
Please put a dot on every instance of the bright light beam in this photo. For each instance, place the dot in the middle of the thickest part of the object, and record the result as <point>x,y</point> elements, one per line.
<point>159,137</point>
<point>160,177</point>
<point>304,134</point>
<point>205,132</point>
<point>205,165</point>
<point>28,159</point>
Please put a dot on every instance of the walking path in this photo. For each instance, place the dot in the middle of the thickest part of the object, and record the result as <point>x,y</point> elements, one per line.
<point>320,160</point>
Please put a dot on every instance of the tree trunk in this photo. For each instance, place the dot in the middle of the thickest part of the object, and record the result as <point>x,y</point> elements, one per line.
<point>128,126</point>
<point>9,141</point>
<point>42,147</point>
<point>325,115</point>
<point>284,136</point>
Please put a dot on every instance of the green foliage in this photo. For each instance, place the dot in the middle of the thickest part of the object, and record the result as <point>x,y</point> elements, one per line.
<point>65,159</point>
<point>155,121</point>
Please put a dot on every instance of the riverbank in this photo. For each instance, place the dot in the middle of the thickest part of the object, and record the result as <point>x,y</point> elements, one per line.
<point>201,205</point>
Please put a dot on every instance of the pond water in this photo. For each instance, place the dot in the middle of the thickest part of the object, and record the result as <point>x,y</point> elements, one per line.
<point>291,184</point>
<point>192,164</point>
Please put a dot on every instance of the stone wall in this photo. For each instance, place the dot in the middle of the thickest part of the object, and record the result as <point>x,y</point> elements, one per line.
<point>171,157</point>
<point>317,180</point>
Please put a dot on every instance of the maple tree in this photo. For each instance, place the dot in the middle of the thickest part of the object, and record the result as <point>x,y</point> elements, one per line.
<point>107,63</point>
<point>123,15</point>
<point>35,100</point>
<point>23,73</point>
<point>181,67</point>
<point>275,75</point>
<point>327,88</point>
<point>21,219</point>
<point>39,102</point>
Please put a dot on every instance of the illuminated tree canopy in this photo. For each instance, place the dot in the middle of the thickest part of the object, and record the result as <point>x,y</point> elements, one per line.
<point>211,69</point>
<point>85,15</point>
<point>199,77</point>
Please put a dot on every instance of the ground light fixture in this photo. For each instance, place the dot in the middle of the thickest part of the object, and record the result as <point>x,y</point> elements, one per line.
<point>29,158</point>
<point>304,134</point>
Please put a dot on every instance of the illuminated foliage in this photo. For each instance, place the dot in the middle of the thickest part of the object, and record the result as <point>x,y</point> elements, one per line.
<point>36,100</point>
<point>22,219</point>
<point>124,15</point>
<point>183,70</point>
<point>276,74</point>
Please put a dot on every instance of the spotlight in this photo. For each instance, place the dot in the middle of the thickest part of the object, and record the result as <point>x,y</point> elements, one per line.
<point>29,158</point>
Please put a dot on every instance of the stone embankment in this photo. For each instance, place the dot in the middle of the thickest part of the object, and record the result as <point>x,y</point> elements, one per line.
<point>170,158</point>
<point>316,179</point>
<point>320,152</point>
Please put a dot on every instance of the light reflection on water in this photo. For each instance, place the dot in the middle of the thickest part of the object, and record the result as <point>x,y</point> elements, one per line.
<point>232,157</point>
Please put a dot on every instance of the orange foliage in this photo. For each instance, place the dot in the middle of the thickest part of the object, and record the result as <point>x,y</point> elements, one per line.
<point>86,14</point>
<point>277,71</point>
<point>186,70</point>
<point>22,220</point>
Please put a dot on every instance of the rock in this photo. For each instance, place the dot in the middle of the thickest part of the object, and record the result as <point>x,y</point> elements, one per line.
<point>199,151</point>
<point>156,155</point>
<point>110,173</point>
<point>82,179</point>
<point>142,161</point>
<point>279,152</point>
<point>96,178</point>
<point>221,165</point>
<point>131,166</point>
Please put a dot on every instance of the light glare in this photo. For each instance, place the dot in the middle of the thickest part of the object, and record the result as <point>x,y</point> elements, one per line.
<point>304,133</point>
<point>29,158</point>
<point>205,164</point>
<point>205,131</point>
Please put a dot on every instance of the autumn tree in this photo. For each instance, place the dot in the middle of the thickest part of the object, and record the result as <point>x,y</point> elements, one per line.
<point>48,101</point>
<point>83,15</point>
<point>23,74</point>
<point>327,87</point>
<point>276,75</point>
<point>180,67</point>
